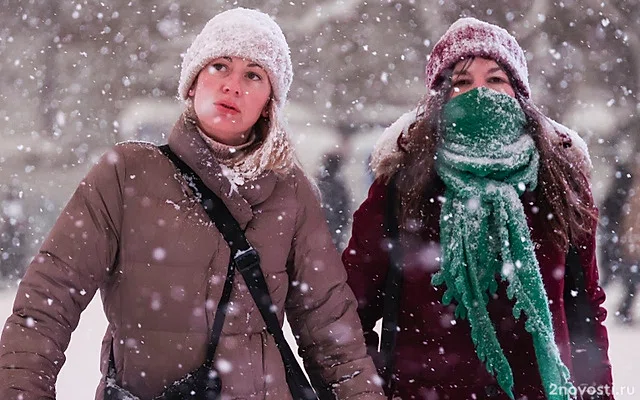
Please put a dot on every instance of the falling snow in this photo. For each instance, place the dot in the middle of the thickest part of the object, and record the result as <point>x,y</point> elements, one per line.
<point>77,78</point>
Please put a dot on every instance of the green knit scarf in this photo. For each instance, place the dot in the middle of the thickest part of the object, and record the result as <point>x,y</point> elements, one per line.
<point>487,161</point>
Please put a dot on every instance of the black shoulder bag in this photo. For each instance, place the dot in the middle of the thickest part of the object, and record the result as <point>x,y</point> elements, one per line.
<point>204,383</point>
<point>200,384</point>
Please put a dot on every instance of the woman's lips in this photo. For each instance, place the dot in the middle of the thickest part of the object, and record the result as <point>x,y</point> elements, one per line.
<point>227,107</point>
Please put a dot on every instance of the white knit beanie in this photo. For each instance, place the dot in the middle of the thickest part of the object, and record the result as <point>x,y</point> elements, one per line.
<point>472,37</point>
<point>244,33</point>
<point>255,36</point>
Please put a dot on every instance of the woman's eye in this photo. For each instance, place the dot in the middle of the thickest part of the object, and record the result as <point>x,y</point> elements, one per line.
<point>216,67</point>
<point>497,79</point>
<point>254,76</point>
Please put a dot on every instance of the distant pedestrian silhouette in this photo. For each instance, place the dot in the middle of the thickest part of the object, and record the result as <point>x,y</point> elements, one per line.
<point>619,243</point>
<point>12,236</point>
<point>336,200</point>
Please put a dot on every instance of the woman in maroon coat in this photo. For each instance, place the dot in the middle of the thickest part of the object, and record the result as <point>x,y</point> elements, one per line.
<point>493,208</point>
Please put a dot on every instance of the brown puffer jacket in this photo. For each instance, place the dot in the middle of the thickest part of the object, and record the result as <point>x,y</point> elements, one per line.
<point>134,230</point>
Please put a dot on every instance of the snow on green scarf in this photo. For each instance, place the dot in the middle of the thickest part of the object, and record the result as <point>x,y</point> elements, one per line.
<point>487,161</point>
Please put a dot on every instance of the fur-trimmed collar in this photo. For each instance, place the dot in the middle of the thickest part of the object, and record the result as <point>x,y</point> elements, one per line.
<point>386,157</point>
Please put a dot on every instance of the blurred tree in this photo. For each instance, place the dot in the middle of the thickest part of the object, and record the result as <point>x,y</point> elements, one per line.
<point>357,62</point>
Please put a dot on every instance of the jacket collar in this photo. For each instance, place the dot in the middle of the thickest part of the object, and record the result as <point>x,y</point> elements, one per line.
<point>186,142</point>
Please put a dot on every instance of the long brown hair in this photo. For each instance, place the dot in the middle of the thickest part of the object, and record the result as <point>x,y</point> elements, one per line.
<point>562,188</point>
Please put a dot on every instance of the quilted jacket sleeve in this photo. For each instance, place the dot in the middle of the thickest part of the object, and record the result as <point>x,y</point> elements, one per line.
<point>589,337</point>
<point>367,261</point>
<point>321,307</point>
<point>591,364</point>
<point>60,282</point>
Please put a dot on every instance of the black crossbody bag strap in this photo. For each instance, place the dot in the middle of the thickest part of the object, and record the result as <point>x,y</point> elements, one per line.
<point>392,291</point>
<point>247,262</point>
<point>218,320</point>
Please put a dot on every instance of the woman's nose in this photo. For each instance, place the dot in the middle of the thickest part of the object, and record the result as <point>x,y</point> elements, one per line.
<point>230,88</point>
<point>231,85</point>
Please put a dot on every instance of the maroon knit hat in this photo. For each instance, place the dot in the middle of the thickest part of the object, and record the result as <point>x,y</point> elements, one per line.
<point>472,37</point>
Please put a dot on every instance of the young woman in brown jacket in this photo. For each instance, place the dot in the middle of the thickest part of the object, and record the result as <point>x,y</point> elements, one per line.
<point>136,230</point>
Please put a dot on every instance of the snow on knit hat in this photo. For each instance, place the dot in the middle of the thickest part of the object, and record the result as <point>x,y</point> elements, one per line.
<point>255,36</point>
<point>472,37</point>
<point>244,33</point>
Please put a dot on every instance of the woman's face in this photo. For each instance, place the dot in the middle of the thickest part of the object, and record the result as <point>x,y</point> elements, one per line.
<point>477,72</point>
<point>229,95</point>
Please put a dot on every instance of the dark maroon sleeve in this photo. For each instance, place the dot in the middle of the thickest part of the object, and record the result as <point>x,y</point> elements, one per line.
<point>591,364</point>
<point>366,260</point>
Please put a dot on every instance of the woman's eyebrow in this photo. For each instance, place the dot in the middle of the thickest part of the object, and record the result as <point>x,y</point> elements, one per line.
<point>495,69</point>
<point>254,65</point>
<point>462,72</point>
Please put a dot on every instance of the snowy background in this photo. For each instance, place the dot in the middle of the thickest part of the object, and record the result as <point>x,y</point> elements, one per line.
<point>77,76</point>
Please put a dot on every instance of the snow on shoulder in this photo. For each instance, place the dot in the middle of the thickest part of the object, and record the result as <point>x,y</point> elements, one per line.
<point>387,144</point>
<point>578,144</point>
